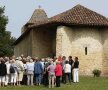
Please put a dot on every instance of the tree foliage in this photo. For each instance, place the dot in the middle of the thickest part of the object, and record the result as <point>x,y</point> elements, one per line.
<point>6,41</point>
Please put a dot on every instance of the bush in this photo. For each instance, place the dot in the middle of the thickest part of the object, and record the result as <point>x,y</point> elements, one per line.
<point>97,73</point>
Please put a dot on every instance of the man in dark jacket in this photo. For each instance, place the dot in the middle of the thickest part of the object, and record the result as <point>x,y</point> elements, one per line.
<point>38,70</point>
<point>71,62</point>
<point>3,72</point>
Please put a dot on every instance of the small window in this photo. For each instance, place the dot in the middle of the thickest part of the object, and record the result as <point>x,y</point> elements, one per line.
<point>85,50</point>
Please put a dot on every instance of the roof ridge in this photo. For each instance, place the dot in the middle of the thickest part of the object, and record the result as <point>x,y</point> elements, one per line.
<point>81,12</point>
<point>78,5</point>
<point>90,10</point>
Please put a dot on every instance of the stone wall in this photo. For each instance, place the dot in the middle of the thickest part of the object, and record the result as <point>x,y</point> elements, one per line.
<point>44,42</point>
<point>69,41</point>
<point>105,50</point>
<point>63,42</point>
<point>72,41</point>
<point>24,46</point>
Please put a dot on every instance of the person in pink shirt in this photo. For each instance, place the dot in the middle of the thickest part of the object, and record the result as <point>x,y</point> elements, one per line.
<point>51,74</point>
<point>58,73</point>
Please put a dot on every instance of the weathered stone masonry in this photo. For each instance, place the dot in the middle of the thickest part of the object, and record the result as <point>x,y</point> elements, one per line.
<point>72,41</point>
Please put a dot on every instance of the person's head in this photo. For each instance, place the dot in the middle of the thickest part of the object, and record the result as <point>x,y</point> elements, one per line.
<point>67,62</point>
<point>55,58</point>
<point>49,59</point>
<point>2,60</point>
<point>63,58</point>
<point>13,57</point>
<point>6,59</point>
<point>20,58</point>
<point>10,61</point>
<point>37,59</point>
<point>76,58</point>
<point>42,59</point>
<point>70,57</point>
<point>24,60</point>
<point>31,60</point>
<point>22,55</point>
<point>28,57</point>
<point>13,60</point>
<point>59,56</point>
<point>46,60</point>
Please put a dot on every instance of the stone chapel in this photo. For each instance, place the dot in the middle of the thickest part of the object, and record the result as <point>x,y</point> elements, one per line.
<point>78,32</point>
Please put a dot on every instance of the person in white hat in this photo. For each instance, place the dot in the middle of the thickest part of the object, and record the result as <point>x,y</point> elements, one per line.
<point>20,70</point>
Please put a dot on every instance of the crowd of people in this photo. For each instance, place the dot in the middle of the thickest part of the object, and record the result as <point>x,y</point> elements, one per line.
<point>50,72</point>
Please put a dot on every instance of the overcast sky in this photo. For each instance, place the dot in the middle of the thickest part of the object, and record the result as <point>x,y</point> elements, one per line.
<point>20,11</point>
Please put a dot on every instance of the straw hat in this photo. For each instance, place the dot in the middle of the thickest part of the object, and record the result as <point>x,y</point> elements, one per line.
<point>19,58</point>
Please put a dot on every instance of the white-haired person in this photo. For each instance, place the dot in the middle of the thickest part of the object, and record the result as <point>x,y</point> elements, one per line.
<point>3,72</point>
<point>51,74</point>
<point>20,70</point>
<point>13,72</point>
<point>42,62</point>
<point>30,72</point>
<point>7,78</point>
<point>24,81</point>
<point>67,72</point>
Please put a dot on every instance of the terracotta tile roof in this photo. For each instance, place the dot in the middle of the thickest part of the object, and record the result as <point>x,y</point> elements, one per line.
<point>81,15</point>
<point>78,15</point>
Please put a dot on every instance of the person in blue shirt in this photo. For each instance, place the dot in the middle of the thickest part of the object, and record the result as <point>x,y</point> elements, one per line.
<point>38,70</point>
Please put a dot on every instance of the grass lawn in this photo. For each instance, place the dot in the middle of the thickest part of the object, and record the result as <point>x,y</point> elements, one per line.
<point>86,83</point>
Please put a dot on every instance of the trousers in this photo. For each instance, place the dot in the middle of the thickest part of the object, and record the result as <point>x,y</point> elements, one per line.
<point>30,79</point>
<point>75,75</point>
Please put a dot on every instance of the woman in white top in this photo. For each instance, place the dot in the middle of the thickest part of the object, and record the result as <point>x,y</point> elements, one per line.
<point>67,72</point>
<point>13,72</point>
<point>7,78</point>
<point>30,72</point>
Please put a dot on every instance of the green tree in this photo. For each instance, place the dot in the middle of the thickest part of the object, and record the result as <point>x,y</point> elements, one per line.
<point>6,41</point>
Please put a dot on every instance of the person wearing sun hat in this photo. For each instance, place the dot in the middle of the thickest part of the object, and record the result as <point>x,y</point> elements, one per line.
<point>20,70</point>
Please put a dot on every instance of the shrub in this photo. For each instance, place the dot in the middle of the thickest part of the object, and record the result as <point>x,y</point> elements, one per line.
<point>96,73</point>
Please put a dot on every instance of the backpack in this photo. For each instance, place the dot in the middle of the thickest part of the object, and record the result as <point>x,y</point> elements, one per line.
<point>12,69</point>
